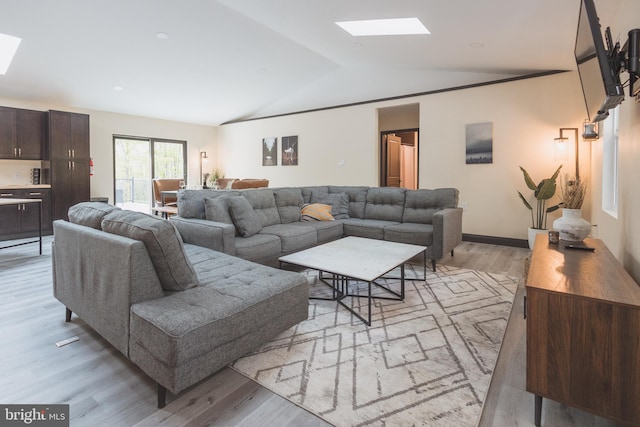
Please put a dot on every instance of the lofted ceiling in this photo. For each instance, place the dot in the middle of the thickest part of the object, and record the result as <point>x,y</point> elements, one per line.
<point>230,60</point>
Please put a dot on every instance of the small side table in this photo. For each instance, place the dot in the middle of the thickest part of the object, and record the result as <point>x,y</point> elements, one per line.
<point>18,203</point>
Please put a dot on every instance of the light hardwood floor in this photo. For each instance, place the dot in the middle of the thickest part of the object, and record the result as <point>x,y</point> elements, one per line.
<point>104,389</point>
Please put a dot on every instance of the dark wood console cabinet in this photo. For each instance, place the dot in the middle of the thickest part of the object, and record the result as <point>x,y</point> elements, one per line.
<point>583,331</point>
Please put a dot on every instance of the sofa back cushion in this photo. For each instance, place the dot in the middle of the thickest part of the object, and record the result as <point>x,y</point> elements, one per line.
<point>264,204</point>
<point>191,202</point>
<point>385,203</point>
<point>217,209</point>
<point>357,198</point>
<point>420,205</point>
<point>317,189</point>
<point>163,243</point>
<point>90,214</point>
<point>288,202</point>
<point>244,217</point>
<point>339,203</point>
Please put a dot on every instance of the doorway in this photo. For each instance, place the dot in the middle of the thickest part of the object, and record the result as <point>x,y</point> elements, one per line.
<point>399,158</point>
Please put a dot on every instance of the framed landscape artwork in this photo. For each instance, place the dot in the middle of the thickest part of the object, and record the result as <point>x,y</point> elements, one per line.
<point>270,151</point>
<point>290,150</point>
<point>479,143</point>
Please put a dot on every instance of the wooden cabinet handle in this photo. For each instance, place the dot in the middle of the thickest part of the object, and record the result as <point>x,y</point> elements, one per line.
<point>19,152</point>
<point>6,194</point>
<point>35,194</point>
<point>15,152</point>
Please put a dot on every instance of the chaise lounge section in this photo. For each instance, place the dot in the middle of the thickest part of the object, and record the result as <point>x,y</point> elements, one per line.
<point>180,312</point>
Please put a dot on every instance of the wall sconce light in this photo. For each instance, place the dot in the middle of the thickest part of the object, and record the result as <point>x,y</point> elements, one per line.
<point>203,158</point>
<point>561,146</point>
<point>590,131</point>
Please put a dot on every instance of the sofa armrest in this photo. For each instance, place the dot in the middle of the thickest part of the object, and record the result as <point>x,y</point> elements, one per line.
<point>218,236</point>
<point>447,231</point>
<point>99,275</point>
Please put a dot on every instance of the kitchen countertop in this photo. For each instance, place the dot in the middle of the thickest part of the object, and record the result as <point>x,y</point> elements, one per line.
<point>23,186</point>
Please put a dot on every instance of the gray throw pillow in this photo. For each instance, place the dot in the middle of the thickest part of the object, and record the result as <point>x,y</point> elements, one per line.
<point>218,209</point>
<point>244,217</point>
<point>339,203</point>
<point>163,243</point>
<point>90,214</point>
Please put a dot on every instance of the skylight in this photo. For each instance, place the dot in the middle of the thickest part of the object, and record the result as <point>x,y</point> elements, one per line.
<point>384,27</point>
<point>8,48</point>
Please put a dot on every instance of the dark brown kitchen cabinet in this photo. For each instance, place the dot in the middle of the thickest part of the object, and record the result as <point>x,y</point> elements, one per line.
<point>69,153</point>
<point>22,134</point>
<point>19,221</point>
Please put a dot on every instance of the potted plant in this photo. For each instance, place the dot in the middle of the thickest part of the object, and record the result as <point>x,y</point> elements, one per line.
<point>213,178</point>
<point>542,191</point>
<point>571,226</point>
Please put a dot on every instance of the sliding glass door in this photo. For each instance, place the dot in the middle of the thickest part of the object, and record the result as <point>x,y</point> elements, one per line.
<point>138,160</point>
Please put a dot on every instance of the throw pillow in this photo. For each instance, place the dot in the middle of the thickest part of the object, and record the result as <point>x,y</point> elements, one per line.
<point>90,214</point>
<point>218,209</point>
<point>163,243</point>
<point>339,203</point>
<point>316,212</point>
<point>243,216</point>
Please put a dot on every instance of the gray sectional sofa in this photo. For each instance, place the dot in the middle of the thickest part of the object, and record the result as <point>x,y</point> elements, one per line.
<point>178,311</point>
<point>270,224</point>
<point>183,298</point>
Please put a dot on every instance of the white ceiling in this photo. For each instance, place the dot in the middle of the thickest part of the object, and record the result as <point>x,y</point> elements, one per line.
<point>228,60</point>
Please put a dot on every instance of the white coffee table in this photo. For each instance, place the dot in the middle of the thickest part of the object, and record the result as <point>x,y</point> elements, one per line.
<point>360,259</point>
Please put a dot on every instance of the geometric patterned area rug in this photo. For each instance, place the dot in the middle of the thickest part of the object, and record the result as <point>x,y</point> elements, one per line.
<point>427,360</point>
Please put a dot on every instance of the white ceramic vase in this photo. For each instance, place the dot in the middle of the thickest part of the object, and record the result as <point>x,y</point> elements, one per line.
<point>533,232</point>
<point>571,226</point>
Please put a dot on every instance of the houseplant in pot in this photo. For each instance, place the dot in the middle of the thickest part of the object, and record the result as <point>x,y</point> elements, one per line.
<point>543,191</point>
<point>571,226</point>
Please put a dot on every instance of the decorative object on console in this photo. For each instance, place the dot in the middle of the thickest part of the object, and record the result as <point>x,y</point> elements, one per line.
<point>571,226</point>
<point>543,191</point>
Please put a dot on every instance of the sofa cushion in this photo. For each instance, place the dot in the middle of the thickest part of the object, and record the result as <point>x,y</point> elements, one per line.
<point>420,205</point>
<point>318,189</point>
<point>369,228</point>
<point>316,212</point>
<point>243,216</point>
<point>163,243</point>
<point>191,202</point>
<point>412,233</point>
<point>339,203</point>
<point>385,203</point>
<point>264,204</point>
<point>292,238</point>
<point>326,230</point>
<point>236,297</point>
<point>90,214</point>
<point>258,248</point>
<point>217,209</point>
<point>288,202</point>
<point>357,198</point>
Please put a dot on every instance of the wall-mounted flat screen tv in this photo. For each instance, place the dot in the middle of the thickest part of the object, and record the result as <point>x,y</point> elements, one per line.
<point>599,74</point>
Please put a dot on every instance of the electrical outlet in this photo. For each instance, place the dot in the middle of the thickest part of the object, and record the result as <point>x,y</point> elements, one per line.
<point>341,162</point>
<point>463,205</point>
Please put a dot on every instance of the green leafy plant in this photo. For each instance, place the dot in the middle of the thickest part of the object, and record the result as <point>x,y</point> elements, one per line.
<point>542,191</point>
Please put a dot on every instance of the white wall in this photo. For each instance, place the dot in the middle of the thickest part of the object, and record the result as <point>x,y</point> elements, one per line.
<point>103,125</point>
<point>526,116</point>
<point>622,234</point>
